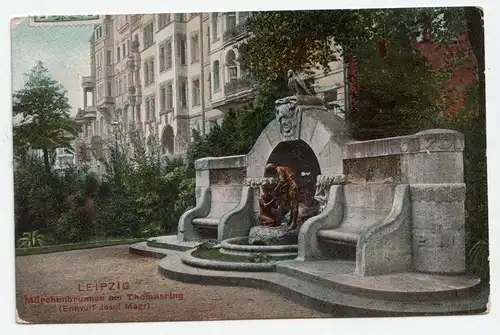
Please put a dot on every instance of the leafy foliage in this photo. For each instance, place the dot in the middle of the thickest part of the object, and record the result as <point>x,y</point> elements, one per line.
<point>42,111</point>
<point>31,240</point>
<point>307,40</point>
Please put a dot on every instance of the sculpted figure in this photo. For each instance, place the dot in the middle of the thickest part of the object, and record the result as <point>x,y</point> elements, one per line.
<point>267,202</point>
<point>297,85</point>
<point>288,188</point>
<point>322,190</point>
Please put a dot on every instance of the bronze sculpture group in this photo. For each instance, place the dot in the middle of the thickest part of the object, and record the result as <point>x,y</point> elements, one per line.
<point>286,191</point>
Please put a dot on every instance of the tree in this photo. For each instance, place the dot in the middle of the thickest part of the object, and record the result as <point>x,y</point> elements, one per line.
<point>307,40</point>
<point>42,111</point>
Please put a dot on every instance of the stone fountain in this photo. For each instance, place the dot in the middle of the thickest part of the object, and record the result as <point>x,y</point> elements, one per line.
<point>378,226</point>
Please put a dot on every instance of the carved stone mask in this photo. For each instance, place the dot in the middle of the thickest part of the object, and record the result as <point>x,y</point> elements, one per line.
<point>286,116</point>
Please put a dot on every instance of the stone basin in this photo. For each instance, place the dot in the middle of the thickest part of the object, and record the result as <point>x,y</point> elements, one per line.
<point>239,246</point>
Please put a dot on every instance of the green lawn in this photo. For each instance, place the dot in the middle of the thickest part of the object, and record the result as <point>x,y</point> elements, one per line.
<point>74,246</point>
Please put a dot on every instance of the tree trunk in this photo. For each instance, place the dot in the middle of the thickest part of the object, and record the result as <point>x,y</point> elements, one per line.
<point>475,33</point>
<point>46,159</point>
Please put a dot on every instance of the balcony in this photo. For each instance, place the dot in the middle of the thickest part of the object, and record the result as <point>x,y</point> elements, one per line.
<point>236,32</point>
<point>90,112</point>
<point>131,63</point>
<point>107,101</point>
<point>88,82</point>
<point>237,86</point>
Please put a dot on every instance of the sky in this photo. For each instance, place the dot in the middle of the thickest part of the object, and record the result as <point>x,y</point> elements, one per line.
<point>64,51</point>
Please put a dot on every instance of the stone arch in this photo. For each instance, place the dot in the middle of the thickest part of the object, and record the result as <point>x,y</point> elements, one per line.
<point>300,157</point>
<point>167,140</point>
<point>323,132</point>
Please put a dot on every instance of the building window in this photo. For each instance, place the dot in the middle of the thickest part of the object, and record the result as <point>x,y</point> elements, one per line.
<point>108,93</point>
<point>108,30</point>
<point>180,17</point>
<point>148,35</point>
<point>163,97</point>
<point>152,103</point>
<point>215,25</point>
<point>162,58</point>
<point>163,21</point>
<point>183,94</point>
<point>128,47</point>
<point>119,86</point>
<point>168,52</point>
<point>118,54</point>
<point>124,50</point>
<point>230,20</point>
<point>182,51</point>
<point>232,68</point>
<point>216,76</point>
<point>124,83</point>
<point>209,82</point>
<point>149,71</point>
<point>98,33</point>
<point>146,106</point>
<point>108,57</point>
<point>195,48</point>
<point>170,97</point>
<point>196,92</point>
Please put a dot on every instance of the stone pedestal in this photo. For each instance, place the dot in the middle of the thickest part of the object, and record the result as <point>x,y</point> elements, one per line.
<point>438,228</point>
<point>262,235</point>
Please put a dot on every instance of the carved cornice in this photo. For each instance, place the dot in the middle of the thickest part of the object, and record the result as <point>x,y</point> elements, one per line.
<point>432,140</point>
<point>438,192</point>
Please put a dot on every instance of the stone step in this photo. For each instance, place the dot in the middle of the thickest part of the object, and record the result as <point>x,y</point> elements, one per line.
<point>143,249</point>
<point>410,286</point>
<point>171,242</point>
<point>319,297</point>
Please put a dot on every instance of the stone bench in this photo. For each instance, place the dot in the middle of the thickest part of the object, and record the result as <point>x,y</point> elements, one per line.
<point>372,219</point>
<point>365,206</point>
<point>219,183</point>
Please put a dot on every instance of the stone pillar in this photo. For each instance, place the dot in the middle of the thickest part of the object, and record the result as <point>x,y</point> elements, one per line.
<point>84,98</point>
<point>433,166</point>
<point>438,227</point>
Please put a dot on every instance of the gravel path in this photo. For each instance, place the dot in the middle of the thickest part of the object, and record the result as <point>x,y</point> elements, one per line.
<point>66,274</point>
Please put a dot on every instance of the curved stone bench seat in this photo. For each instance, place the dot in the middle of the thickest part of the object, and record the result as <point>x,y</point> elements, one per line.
<point>210,222</point>
<point>356,221</point>
<point>372,219</point>
<point>340,235</point>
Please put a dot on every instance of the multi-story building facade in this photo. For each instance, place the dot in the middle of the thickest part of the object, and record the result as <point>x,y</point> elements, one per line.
<point>165,74</point>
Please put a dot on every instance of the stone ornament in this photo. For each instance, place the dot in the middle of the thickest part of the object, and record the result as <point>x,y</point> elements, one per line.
<point>440,140</point>
<point>258,182</point>
<point>323,184</point>
<point>297,85</point>
<point>286,115</point>
<point>325,181</point>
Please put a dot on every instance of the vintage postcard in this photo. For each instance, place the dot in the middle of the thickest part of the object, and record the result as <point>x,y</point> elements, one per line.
<point>250,165</point>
